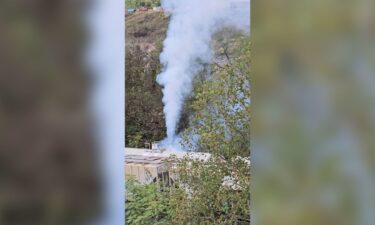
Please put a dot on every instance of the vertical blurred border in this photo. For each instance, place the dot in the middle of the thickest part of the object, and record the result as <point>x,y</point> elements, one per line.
<point>314,112</point>
<point>106,57</point>
<point>62,112</point>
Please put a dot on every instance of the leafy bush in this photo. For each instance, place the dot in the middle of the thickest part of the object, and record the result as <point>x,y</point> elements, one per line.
<point>146,204</point>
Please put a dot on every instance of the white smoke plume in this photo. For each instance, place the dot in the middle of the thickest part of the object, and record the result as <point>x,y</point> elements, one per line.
<point>192,24</point>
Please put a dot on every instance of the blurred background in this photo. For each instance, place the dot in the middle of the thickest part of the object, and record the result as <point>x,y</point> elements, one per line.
<point>314,112</point>
<point>49,170</point>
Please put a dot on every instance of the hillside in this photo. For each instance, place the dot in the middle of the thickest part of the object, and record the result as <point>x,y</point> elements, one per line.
<point>145,32</point>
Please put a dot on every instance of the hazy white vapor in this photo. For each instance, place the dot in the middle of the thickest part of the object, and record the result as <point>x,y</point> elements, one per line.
<point>187,45</point>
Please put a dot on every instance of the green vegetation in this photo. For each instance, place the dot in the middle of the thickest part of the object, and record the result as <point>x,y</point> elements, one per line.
<point>216,191</point>
<point>221,107</point>
<point>143,107</point>
<point>140,3</point>
<point>146,204</point>
<point>144,116</point>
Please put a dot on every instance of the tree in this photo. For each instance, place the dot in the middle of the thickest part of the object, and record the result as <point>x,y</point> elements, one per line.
<point>220,123</point>
<point>217,191</point>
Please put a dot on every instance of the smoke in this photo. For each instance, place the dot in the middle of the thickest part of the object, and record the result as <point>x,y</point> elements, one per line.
<point>187,46</point>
